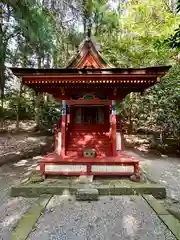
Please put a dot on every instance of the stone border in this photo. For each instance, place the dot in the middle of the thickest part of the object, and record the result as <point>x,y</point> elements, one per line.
<point>170,221</point>
<point>35,190</point>
<point>174,211</point>
<point>27,222</point>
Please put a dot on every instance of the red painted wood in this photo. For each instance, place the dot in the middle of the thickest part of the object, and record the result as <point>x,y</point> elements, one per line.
<point>122,141</point>
<point>90,77</point>
<point>122,159</point>
<point>89,169</point>
<point>63,135</point>
<point>90,61</point>
<point>92,128</point>
<point>89,102</point>
<point>89,173</point>
<point>79,140</point>
<point>113,134</point>
<point>42,167</point>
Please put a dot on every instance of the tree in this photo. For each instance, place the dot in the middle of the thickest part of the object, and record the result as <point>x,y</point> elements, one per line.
<point>23,19</point>
<point>174,40</point>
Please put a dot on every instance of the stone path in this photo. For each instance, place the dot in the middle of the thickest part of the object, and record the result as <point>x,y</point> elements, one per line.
<point>122,217</point>
<point>162,169</point>
<point>12,209</point>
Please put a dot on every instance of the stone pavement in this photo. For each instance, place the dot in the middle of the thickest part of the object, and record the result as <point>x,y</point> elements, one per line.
<point>122,217</point>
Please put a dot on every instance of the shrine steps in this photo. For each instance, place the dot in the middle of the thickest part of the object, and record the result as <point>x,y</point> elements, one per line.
<point>121,165</point>
<point>78,140</point>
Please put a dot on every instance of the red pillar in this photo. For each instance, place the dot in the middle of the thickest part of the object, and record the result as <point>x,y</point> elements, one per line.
<point>113,128</point>
<point>113,134</point>
<point>63,128</point>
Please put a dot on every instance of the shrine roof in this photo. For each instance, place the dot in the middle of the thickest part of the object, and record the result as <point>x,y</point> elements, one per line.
<point>89,71</point>
<point>88,55</point>
<point>156,70</point>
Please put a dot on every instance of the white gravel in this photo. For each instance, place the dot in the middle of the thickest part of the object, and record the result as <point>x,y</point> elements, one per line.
<point>164,170</point>
<point>116,218</point>
<point>12,209</point>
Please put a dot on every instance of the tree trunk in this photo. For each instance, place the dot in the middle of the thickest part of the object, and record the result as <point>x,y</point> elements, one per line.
<point>130,127</point>
<point>2,85</point>
<point>19,105</point>
<point>38,98</point>
<point>37,110</point>
<point>2,67</point>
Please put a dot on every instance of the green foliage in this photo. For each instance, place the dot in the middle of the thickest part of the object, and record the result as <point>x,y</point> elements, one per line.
<point>174,39</point>
<point>49,114</point>
<point>26,104</point>
<point>159,109</point>
<point>132,33</point>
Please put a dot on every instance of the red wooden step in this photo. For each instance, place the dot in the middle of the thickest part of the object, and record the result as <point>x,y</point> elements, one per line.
<point>95,141</point>
<point>89,132</point>
<point>81,150</point>
<point>89,137</point>
<point>84,141</point>
<point>89,146</point>
<point>80,154</point>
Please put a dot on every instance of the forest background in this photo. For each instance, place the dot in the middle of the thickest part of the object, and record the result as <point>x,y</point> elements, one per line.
<point>131,33</point>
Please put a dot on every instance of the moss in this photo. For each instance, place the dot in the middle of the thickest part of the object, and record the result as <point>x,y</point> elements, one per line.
<point>155,205</point>
<point>35,190</point>
<point>172,223</point>
<point>28,221</point>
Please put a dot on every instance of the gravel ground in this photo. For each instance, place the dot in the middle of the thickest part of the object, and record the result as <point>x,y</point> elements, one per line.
<point>122,217</point>
<point>12,209</point>
<point>162,169</point>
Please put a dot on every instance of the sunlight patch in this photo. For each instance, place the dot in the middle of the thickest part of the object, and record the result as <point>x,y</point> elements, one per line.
<point>130,224</point>
<point>20,163</point>
<point>37,157</point>
<point>33,139</point>
<point>10,219</point>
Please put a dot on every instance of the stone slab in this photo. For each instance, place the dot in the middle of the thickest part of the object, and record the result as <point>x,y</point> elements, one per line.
<point>174,211</point>
<point>90,194</point>
<point>172,223</point>
<point>156,206</point>
<point>35,190</point>
<point>28,221</point>
<point>157,190</point>
<point>85,179</point>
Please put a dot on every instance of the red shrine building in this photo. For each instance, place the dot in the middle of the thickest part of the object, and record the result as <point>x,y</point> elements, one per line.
<point>88,137</point>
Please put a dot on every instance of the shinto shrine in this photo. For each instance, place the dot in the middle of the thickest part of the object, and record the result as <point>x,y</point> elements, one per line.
<point>89,139</point>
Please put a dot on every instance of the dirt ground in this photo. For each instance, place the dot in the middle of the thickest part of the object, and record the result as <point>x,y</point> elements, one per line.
<point>23,144</point>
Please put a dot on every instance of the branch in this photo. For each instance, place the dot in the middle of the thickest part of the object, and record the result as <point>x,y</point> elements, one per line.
<point>12,35</point>
<point>8,18</point>
<point>168,7</point>
<point>71,6</point>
